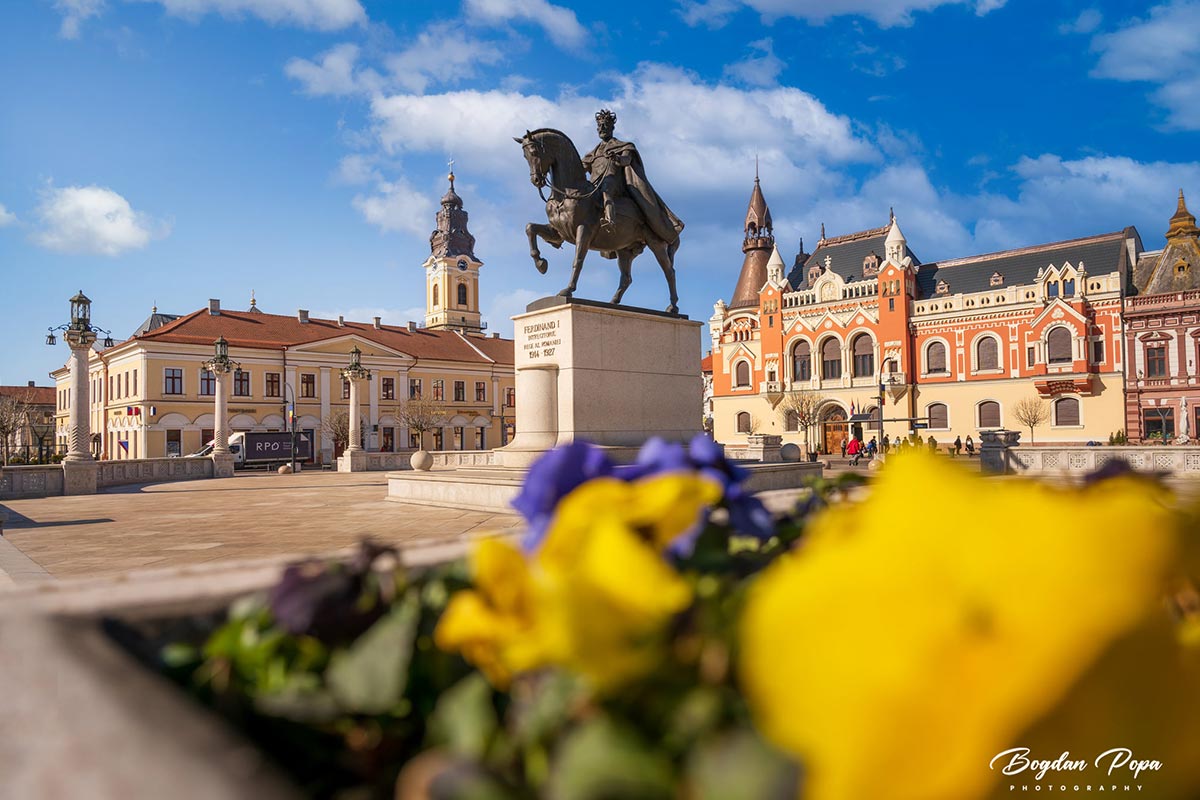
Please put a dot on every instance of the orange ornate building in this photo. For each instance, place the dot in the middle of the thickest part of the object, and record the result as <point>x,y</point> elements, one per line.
<point>947,348</point>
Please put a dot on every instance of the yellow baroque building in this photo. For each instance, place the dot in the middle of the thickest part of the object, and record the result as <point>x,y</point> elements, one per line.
<point>150,396</point>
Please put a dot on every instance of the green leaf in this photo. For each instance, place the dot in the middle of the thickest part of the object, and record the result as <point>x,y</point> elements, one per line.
<point>369,676</point>
<point>465,718</point>
<point>738,765</point>
<point>603,760</point>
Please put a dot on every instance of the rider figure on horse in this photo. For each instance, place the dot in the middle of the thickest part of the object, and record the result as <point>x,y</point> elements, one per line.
<point>616,170</point>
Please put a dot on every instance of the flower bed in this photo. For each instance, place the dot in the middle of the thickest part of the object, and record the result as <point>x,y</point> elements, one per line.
<point>659,634</point>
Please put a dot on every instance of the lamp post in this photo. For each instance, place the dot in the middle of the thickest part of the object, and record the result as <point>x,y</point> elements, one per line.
<point>354,459</point>
<point>79,467</point>
<point>221,365</point>
<point>290,410</point>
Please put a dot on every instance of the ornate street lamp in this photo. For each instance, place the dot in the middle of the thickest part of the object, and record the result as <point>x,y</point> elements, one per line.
<point>354,373</point>
<point>80,334</point>
<point>220,365</point>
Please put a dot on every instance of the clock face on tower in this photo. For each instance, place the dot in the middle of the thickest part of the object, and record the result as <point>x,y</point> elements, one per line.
<point>462,263</point>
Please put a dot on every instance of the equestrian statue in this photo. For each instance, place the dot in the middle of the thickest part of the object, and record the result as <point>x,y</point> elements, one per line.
<point>616,212</point>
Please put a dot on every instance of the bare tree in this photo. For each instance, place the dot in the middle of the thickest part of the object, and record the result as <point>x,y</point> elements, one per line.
<point>1031,412</point>
<point>421,415</point>
<point>14,415</point>
<point>806,406</point>
<point>337,425</point>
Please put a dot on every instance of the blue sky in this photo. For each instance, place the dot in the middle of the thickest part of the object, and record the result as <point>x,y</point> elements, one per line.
<point>169,151</point>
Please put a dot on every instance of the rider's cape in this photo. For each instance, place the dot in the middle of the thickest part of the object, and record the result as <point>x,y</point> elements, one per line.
<point>661,219</point>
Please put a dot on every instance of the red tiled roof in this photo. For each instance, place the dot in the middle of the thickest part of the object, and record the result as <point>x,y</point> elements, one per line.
<point>246,329</point>
<point>38,395</point>
<point>706,363</point>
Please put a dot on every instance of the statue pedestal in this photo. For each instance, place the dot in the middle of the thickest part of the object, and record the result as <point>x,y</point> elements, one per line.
<point>223,465</point>
<point>612,375</point>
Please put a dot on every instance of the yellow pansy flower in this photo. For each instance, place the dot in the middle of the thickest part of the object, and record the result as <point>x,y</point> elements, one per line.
<point>916,633</point>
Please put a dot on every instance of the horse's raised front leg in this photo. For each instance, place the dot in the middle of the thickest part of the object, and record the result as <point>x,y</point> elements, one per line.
<point>535,231</point>
<point>583,240</point>
<point>665,254</point>
<point>625,264</point>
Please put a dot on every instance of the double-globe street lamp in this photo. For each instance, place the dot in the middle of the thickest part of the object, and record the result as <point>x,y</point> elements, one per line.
<point>80,335</point>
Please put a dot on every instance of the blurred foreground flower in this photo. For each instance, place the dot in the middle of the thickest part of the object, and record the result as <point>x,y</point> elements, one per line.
<point>596,595</point>
<point>919,633</point>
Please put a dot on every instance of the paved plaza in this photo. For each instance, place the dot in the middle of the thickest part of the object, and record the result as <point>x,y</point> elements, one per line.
<point>252,515</point>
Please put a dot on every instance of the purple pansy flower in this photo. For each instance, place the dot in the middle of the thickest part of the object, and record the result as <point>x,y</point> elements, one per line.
<point>551,478</point>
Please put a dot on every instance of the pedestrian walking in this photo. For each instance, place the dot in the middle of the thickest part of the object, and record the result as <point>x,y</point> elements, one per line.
<point>957,445</point>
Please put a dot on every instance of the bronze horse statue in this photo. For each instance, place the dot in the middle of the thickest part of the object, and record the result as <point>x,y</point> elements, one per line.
<point>574,210</point>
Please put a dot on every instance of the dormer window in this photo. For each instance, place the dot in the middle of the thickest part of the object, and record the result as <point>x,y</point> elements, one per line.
<point>871,265</point>
<point>1052,289</point>
<point>1068,287</point>
<point>996,280</point>
<point>813,274</point>
<point>1181,267</point>
<point>943,287</point>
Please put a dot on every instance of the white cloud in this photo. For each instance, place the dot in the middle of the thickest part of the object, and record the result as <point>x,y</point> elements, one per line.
<point>397,206</point>
<point>502,306</point>
<point>711,146</point>
<point>1088,21</point>
<point>322,15</point>
<point>761,69</point>
<point>356,169</point>
<point>886,13</point>
<point>442,53</point>
<point>93,219</point>
<point>74,13</point>
<point>334,74</point>
<point>560,24</point>
<point>6,217</point>
<point>1163,48</point>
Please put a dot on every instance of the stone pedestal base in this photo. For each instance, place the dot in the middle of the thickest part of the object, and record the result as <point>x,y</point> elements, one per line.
<point>79,477</point>
<point>223,465</point>
<point>353,461</point>
<point>993,450</point>
<point>612,375</point>
<point>765,447</point>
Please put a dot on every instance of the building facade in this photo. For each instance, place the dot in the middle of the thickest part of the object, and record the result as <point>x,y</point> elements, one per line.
<point>27,423</point>
<point>151,396</point>
<point>1162,322</point>
<point>945,349</point>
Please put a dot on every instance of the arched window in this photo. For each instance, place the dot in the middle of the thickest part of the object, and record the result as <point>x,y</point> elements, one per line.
<point>743,422</point>
<point>831,359</point>
<point>864,356</point>
<point>791,422</point>
<point>1052,289</point>
<point>1066,411</point>
<point>462,294</point>
<point>1068,287</point>
<point>987,354</point>
<point>435,296</point>
<point>989,414</point>
<point>939,416</point>
<point>742,374</point>
<point>935,357</point>
<point>802,361</point>
<point>1058,346</point>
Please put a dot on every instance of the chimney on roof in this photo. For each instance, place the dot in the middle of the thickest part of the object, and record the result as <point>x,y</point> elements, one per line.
<point>495,336</point>
<point>31,384</point>
<point>412,326</point>
<point>341,321</point>
<point>214,307</point>
<point>302,315</point>
<point>378,323</point>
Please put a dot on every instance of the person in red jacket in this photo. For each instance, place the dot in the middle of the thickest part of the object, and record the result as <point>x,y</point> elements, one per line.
<point>854,450</point>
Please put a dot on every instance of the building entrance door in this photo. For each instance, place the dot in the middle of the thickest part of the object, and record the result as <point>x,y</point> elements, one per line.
<point>837,430</point>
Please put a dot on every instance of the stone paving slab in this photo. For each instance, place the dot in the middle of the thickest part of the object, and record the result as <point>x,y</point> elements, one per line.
<point>249,516</point>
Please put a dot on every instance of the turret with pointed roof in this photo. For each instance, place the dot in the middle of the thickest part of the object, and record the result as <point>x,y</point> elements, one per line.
<point>758,244</point>
<point>1176,268</point>
<point>451,237</point>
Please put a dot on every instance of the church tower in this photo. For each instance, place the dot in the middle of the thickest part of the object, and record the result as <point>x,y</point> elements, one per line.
<point>452,271</point>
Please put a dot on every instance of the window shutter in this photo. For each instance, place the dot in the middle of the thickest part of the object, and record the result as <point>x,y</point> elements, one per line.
<point>1058,346</point>
<point>743,374</point>
<point>743,422</point>
<point>935,358</point>
<point>986,354</point>
<point>1066,411</point>
<point>989,414</point>
<point>938,416</point>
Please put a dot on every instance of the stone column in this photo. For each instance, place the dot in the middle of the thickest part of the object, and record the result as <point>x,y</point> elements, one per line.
<point>80,470</point>
<point>355,442</point>
<point>354,459</point>
<point>223,460</point>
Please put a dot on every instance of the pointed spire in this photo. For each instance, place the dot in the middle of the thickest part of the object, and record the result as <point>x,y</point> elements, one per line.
<point>758,215</point>
<point>757,245</point>
<point>153,306</point>
<point>254,309</point>
<point>451,238</point>
<point>891,215</point>
<point>1183,224</point>
<point>822,233</point>
<point>756,171</point>
<point>895,245</point>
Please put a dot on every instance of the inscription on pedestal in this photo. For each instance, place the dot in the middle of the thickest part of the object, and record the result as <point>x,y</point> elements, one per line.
<point>540,339</point>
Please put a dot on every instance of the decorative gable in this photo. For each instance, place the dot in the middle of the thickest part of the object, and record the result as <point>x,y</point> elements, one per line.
<point>996,280</point>
<point>943,287</point>
<point>870,265</point>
